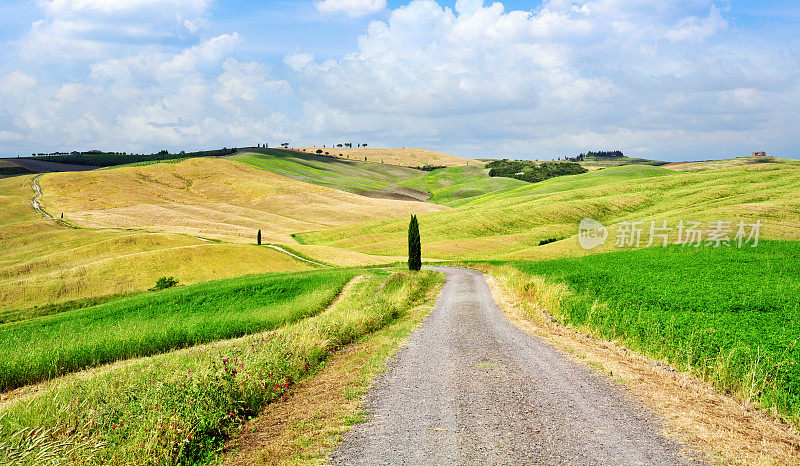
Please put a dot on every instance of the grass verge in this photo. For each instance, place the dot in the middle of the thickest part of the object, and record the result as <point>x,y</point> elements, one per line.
<point>730,316</point>
<point>716,428</point>
<point>180,407</point>
<point>310,422</point>
<point>47,347</point>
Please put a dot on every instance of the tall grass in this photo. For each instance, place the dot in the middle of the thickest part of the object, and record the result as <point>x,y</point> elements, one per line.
<point>181,406</point>
<point>46,347</point>
<point>731,316</point>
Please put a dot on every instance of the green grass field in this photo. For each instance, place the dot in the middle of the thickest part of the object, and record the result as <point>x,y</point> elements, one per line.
<point>46,347</point>
<point>343,174</point>
<point>509,224</point>
<point>180,407</point>
<point>729,315</point>
<point>455,186</point>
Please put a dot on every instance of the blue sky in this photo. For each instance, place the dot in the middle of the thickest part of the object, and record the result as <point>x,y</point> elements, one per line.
<point>674,80</point>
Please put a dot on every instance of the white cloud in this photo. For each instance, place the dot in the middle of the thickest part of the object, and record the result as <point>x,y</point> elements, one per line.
<point>674,79</point>
<point>615,73</point>
<point>94,29</point>
<point>16,83</point>
<point>151,97</point>
<point>352,8</point>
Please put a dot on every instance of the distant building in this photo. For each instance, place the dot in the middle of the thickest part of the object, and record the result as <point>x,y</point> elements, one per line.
<point>759,154</point>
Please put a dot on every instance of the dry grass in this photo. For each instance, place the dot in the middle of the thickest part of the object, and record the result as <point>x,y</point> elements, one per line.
<point>306,425</point>
<point>406,157</point>
<point>727,163</point>
<point>212,198</point>
<point>343,257</point>
<point>7,164</point>
<point>723,429</point>
<point>42,262</point>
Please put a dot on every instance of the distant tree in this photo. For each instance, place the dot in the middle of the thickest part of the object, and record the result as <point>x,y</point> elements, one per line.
<point>363,145</point>
<point>327,153</point>
<point>319,151</point>
<point>338,145</point>
<point>414,245</point>
<point>163,152</point>
<point>285,144</point>
<point>258,238</point>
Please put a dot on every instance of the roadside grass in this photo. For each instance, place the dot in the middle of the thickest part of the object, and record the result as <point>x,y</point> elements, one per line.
<point>728,315</point>
<point>47,347</point>
<point>180,407</point>
<point>351,175</point>
<point>510,224</point>
<point>305,427</point>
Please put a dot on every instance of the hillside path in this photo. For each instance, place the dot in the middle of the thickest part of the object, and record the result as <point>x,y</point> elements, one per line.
<point>470,387</point>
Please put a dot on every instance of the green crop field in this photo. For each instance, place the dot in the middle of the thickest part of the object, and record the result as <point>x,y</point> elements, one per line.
<point>457,185</point>
<point>180,407</point>
<point>511,223</point>
<point>730,315</point>
<point>45,347</point>
<point>343,174</point>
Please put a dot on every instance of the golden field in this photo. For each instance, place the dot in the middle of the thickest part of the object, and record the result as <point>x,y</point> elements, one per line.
<point>42,262</point>
<point>210,198</point>
<point>406,157</point>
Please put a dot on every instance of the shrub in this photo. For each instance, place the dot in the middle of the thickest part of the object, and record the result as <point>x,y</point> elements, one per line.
<point>164,283</point>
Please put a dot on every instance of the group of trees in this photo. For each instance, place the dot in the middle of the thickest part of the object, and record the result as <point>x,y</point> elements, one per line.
<point>612,154</point>
<point>109,159</point>
<point>532,172</point>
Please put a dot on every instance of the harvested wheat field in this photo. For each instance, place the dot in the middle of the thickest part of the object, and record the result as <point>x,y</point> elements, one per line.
<point>43,262</point>
<point>211,198</point>
<point>406,157</point>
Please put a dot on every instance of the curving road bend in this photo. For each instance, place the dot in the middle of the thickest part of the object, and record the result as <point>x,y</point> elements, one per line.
<point>470,387</point>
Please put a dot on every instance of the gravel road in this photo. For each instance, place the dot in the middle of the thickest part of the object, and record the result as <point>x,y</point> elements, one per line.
<point>470,387</point>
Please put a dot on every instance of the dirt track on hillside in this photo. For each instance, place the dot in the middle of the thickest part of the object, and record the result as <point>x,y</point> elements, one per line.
<point>470,387</point>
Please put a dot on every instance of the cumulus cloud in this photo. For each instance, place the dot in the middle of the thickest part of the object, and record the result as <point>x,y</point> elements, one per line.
<point>566,76</point>
<point>673,79</point>
<point>94,29</point>
<point>352,8</point>
<point>139,92</point>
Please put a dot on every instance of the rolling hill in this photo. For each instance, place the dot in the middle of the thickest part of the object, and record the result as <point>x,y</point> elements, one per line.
<point>211,198</point>
<point>404,157</point>
<point>510,224</point>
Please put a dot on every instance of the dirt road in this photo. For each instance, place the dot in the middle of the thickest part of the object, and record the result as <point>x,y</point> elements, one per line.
<point>470,387</point>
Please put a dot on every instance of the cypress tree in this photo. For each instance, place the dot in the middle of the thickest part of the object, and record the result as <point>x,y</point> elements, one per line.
<point>414,245</point>
<point>259,237</point>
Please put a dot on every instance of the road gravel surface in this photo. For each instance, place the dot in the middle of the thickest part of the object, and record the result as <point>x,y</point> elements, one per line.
<point>472,388</point>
